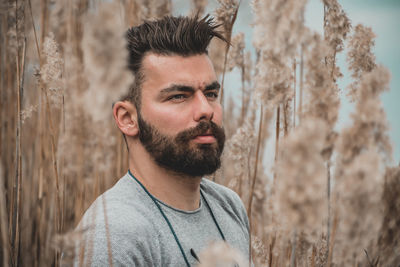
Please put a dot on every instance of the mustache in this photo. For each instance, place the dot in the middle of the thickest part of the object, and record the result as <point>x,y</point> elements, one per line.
<point>201,129</point>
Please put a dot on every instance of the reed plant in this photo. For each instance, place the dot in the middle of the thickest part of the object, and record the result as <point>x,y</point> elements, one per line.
<point>332,197</point>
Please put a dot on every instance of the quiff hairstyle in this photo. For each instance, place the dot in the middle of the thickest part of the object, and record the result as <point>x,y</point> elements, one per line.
<point>184,36</point>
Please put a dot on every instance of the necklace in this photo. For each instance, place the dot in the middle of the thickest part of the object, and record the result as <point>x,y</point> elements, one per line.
<point>169,223</point>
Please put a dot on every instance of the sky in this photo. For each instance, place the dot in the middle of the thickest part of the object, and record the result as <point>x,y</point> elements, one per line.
<point>381,15</point>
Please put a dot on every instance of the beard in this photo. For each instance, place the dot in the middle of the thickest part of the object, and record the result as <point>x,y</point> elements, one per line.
<point>176,153</point>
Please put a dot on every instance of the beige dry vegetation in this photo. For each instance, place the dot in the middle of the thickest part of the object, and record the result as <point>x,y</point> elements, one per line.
<point>331,198</point>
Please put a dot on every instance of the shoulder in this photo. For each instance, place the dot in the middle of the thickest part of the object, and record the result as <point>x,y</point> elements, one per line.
<point>117,223</point>
<point>121,206</point>
<point>226,198</point>
<point>221,193</point>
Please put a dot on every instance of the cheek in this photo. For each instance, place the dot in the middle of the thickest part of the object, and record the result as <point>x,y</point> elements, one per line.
<point>169,120</point>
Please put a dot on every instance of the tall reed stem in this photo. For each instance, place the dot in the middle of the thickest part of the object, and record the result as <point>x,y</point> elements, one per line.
<point>277,125</point>
<point>328,169</point>
<point>301,83</point>
<point>53,153</point>
<point>253,183</point>
<point>4,223</point>
<point>293,254</point>
<point>44,18</point>
<point>19,162</point>
<point>286,105</point>
<point>223,74</point>
<point>243,110</point>
<point>50,120</point>
<point>34,28</point>
<point>294,93</point>
<point>228,38</point>
<point>62,165</point>
<point>332,240</point>
<point>313,254</point>
<point>16,226</point>
<point>17,182</point>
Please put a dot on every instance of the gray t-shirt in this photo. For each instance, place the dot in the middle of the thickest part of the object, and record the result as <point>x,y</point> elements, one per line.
<point>138,235</point>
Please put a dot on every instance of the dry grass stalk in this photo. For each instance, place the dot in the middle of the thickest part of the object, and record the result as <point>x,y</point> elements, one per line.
<point>237,58</point>
<point>301,82</point>
<point>4,223</point>
<point>293,253</point>
<point>20,68</point>
<point>328,190</point>
<point>44,19</point>
<point>277,133</point>
<point>226,15</point>
<point>246,72</point>
<point>294,92</point>
<point>50,76</point>
<point>253,181</point>
<point>286,116</point>
<point>314,252</point>
<point>34,29</point>
<point>332,240</point>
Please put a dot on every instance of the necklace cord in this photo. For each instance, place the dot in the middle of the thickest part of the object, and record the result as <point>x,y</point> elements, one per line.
<point>169,223</point>
<point>165,218</point>
<point>212,215</point>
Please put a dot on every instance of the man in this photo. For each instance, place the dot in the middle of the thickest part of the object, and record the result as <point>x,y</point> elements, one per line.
<point>162,212</point>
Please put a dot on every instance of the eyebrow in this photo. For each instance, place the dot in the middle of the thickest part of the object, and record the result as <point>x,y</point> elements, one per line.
<point>185,88</point>
<point>213,86</point>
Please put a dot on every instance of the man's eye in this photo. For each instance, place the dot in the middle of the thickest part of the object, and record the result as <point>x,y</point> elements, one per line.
<point>177,97</point>
<point>211,95</point>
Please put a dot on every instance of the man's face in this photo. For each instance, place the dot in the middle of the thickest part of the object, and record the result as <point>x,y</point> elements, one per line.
<point>180,117</point>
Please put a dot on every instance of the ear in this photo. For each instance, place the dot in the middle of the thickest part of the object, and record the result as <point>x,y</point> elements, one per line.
<point>125,116</point>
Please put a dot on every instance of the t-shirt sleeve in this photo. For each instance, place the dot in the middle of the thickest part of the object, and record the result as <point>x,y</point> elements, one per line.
<point>238,205</point>
<point>230,202</point>
<point>125,240</point>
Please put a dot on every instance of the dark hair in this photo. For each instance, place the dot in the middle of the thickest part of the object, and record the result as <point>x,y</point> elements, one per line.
<point>184,36</point>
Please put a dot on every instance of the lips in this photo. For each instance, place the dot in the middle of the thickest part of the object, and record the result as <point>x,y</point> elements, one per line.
<point>205,138</point>
<point>206,132</point>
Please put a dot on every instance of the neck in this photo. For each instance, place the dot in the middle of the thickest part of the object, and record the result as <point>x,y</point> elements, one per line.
<point>177,190</point>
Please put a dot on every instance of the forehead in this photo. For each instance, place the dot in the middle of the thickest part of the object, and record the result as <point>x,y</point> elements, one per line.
<point>161,71</point>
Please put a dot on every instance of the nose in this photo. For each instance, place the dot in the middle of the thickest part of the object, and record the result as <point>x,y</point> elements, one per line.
<point>203,109</point>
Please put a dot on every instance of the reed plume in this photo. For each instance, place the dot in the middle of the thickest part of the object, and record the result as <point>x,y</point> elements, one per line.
<point>226,16</point>
<point>52,69</point>
<point>277,32</point>
<point>362,150</point>
<point>221,254</point>
<point>336,28</point>
<point>300,194</point>
<point>360,56</point>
